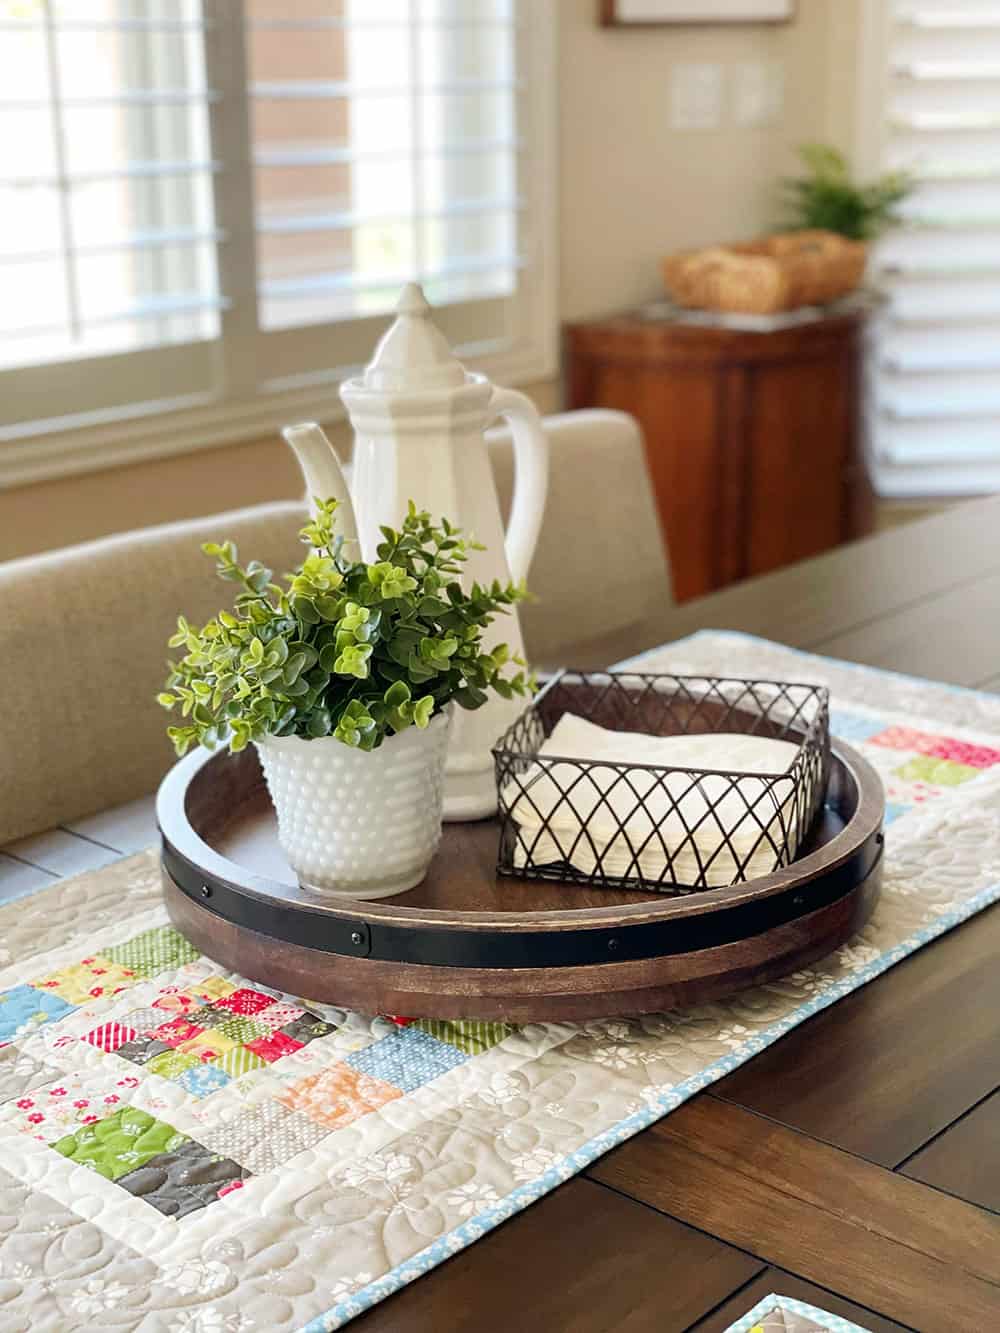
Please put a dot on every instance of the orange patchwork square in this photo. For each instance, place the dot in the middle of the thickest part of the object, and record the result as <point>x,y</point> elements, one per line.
<point>337,1096</point>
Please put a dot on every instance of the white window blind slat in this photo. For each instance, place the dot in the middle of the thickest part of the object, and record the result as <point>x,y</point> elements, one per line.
<point>935,372</point>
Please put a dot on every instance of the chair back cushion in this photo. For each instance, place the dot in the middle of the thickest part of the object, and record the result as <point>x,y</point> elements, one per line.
<point>83,638</point>
<point>600,573</point>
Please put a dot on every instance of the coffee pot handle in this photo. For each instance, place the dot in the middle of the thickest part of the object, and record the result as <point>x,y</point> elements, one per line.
<point>531,476</point>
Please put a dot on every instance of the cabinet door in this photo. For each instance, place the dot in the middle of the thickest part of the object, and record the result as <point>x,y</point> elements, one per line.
<point>679,413</point>
<point>801,422</point>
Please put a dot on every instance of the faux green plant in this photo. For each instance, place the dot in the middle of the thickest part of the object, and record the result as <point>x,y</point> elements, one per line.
<point>827,199</point>
<point>346,649</point>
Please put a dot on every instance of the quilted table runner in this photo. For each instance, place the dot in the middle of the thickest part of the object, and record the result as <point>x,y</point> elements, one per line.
<point>183,1151</point>
<point>780,1314</point>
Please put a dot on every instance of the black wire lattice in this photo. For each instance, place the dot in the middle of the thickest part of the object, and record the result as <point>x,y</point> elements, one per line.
<point>643,826</point>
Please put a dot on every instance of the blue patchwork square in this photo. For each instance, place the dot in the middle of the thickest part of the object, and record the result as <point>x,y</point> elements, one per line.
<point>202,1080</point>
<point>854,726</point>
<point>25,1008</point>
<point>893,811</point>
<point>407,1058</point>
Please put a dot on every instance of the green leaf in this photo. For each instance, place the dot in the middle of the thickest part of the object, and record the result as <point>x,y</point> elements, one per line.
<point>397,693</point>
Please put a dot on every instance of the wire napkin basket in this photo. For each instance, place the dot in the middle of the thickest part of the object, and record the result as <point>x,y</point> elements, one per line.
<point>658,828</point>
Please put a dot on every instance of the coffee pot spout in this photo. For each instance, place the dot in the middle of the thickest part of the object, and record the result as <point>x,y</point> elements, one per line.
<point>322,472</point>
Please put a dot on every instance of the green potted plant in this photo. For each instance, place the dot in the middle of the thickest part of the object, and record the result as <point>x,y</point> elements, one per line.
<point>344,678</point>
<point>827,199</point>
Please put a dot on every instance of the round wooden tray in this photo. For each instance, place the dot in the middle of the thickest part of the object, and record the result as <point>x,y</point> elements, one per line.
<point>468,944</point>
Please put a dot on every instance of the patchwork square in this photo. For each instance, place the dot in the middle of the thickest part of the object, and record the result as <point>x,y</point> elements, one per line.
<point>408,1058</point>
<point>939,772</point>
<point>144,1021</point>
<point>20,1073</point>
<point>171,1063</point>
<point>90,979</point>
<point>63,1105</point>
<point>109,1036</point>
<point>307,1028</point>
<point>142,1050</point>
<point>207,1045</point>
<point>153,952</point>
<point>466,1034</point>
<point>264,1136</point>
<point>239,1061</point>
<point>120,1143</point>
<point>854,726</point>
<point>243,1030</point>
<point>25,1008</point>
<point>176,1031</point>
<point>210,989</point>
<point>247,1002</point>
<point>183,1179</point>
<point>202,1080</point>
<point>278,1014</point>
<point>337,1095</point>
<point>177,1001</point>
<point>209,1016</point>
<point>274,1046</point>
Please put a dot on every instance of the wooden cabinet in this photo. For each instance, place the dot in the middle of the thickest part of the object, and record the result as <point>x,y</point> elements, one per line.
<point>752,439</point>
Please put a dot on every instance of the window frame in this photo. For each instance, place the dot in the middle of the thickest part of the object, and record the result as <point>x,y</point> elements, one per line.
<point>248,404</point>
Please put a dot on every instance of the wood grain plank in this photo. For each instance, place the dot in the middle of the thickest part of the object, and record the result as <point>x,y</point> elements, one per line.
<point>887,1067</point>
<point>919,1256</point>
<point>61,852</point>
<point>17,878</point>
<point>922,639</point>
<point>965,1159</point>
<point>125,828</point>
<point>583,1258</point>
<point>858,584</point>
<point>775,1282</point>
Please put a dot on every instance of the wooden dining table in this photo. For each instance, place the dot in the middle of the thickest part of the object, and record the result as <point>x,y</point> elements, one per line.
<point>855,1163</point>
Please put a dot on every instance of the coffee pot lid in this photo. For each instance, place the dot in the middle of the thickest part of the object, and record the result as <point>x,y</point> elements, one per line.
<point>413,354</point>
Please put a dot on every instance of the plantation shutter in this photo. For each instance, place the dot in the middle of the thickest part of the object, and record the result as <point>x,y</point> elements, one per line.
<point>211,205</point>
<point>935,391</point>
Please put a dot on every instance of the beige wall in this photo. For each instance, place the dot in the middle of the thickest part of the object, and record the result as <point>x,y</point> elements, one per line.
<point>631,189</point>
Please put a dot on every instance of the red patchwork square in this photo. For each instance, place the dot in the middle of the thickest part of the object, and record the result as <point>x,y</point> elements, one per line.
<point>246,1002</point>
<point>177,1030</point>
<point>400,1022</point>
<point>109,1036</point>
<point>274,1047</point>
<point>178,1001</point>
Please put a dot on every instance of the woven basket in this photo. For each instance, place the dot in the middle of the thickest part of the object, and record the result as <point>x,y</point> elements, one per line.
<point>780,272</point>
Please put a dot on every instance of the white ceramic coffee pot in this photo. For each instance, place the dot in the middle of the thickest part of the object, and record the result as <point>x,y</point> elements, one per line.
<point>419,418</point>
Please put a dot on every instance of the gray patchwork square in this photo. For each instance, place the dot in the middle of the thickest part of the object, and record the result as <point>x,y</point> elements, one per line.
<point>181,1182</point>
<point>264,1136</point>
<point>307,1028</point>
<point>140,1052</point>
<point>20,1073</point>
<point>144,1021</point>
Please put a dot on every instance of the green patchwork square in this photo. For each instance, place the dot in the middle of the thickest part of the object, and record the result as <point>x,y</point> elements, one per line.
<point>939,772</point>
<point>466,1034</point>
<point>121,1143</point>
<point>171,1064</point>
<point>153,952</point>
<point>238,1061</point>
<point>243,1029</point>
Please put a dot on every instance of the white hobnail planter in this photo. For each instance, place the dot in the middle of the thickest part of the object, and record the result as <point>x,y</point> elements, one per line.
<point>356,823</point>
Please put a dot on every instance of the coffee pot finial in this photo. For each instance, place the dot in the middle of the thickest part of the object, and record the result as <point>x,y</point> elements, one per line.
<point>413,354</point>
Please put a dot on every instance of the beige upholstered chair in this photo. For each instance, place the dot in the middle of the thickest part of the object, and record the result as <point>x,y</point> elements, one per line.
<point>83,635</point>
<point>600,573</point>
<point>83,631</point>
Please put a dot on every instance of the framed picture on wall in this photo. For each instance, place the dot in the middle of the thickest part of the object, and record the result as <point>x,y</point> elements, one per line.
<point>625,13</point>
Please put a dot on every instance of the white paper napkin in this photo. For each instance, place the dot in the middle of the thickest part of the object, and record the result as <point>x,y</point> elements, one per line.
<point>640,817</point>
